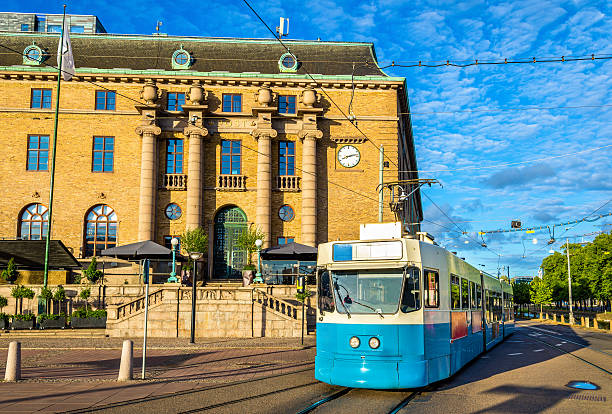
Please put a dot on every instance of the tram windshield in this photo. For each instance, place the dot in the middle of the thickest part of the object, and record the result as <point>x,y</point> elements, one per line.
<point>367,291</point>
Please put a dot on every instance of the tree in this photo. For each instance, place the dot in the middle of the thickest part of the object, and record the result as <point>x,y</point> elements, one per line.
<point>46,294</point>
<point>540,292</point>
<point>194,240</point>
<point>246,241</point>
<point>520,291</point>
<point>3,303</point>
<point>19,293</point>
<point>92,273</point>
<point>85,294</point>
<point>59,296</point>
<point>10,273</point>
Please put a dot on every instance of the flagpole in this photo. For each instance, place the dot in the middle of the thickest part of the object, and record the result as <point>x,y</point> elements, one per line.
<point>57,100</point>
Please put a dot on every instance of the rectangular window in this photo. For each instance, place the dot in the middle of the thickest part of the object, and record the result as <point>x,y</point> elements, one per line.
<point>41,99</point>
<point>286,158</point>
<point>38,153</point>
<point>230,157</point>
<point>455,292</point>
<point>465,294</point>
<point>40,23</point>
<point>285,240</point>
<point>176,101</point>
<point>174,156</point>
<point>103,154</point>
<point>432,289</point>
<point>286,104</point>
<point>478,296</point>
<point>232,102</point>
<point>411,296</point>
<point>473,295</point>
<point>105,100</point>
<point>77,29</point>
<point>25,27</point>
<point>54,28</point>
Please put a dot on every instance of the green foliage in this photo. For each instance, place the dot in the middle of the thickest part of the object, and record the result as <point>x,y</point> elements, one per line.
<point>85,313</point>
<point>302,296</point>
<point>246,241</point>
<point>49,316</point>
<point>26,317</point>
<point>46,293</point>
<point>59,294</point>
<point>520,291</point>
<point>22,292</point>
<point>3,302</point>
<point>249,267</point>
<point>10,273</point>
<point>195,240</point>
<point>539,292</point>
<point>92,273</point>
<point>5,316</point>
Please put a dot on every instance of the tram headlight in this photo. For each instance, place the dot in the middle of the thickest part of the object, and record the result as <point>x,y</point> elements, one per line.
<point>354,342</point>
<point>374,342</point>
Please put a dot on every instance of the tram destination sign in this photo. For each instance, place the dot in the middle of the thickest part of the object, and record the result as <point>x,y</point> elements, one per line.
<point>386,250</point>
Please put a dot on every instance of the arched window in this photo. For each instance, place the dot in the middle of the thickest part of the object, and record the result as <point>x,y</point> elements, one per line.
<point>100,230</point>
<point>33,222</point>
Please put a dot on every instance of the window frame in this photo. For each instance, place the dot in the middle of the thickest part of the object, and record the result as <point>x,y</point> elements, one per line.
<point>37,150</point>
<point>108,222</point>
<point>329,304</point>
<point>103,152</point>
<point>286,240</point>
<point>427,290</point>
<point>284,107</point>
<point>417,291</point>
<point>106,105</point>
<point>43,223</point>
<point>465,294</point>
<point>178,103</point>
<point>231,156</point>
<point>283,159</point>
<point>176,156</point>
<point>42,98</point>
<point>234,98</point>
<point>453,279</point>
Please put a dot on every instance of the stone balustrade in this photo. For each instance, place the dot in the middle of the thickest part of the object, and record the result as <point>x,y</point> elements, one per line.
<point>279,305</point>
<point>231,182</point>
<point>288,183</point>
<point>175,182</point>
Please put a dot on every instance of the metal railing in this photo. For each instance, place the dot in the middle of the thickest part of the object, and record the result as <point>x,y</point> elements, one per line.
<point>138,304</point>
<point>231,182</point>
<point>175,181</point>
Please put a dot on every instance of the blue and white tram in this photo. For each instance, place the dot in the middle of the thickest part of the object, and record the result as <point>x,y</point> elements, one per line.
<point>402,313</point>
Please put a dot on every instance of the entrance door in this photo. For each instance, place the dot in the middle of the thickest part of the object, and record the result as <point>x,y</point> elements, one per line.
<point>230,222</point>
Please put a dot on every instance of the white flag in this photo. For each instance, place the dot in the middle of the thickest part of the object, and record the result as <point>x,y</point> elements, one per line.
<point>64,49</point>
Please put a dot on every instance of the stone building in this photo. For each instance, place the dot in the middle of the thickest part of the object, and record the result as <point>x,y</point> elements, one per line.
<point>158,134</point>
<point>41,22</point>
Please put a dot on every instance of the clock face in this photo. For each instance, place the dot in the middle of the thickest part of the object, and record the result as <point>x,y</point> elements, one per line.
<point>286,213</point>
<point>348,156</point>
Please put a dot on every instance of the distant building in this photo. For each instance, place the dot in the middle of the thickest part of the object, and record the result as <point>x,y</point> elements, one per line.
<point>158,134</point>
<point>520,279</point>
<point>40,22</point>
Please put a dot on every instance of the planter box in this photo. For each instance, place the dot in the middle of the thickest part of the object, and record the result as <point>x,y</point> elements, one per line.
<point>17,324</point>
<point>90,323</point>
<point>53,324</point>
<point>4,324</point>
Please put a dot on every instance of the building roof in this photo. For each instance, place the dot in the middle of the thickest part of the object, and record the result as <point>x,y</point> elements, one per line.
<point>31,254</point>
<point>133,52</point>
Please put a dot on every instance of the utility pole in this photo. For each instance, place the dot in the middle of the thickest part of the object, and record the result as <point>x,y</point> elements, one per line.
<point>381,164</point>
<point>569,285</point>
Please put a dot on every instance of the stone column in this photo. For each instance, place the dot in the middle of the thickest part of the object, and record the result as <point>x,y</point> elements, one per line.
<point>309,186</point>
<point>148,172</point>
<point>193,216</point>
<point>264,187</point>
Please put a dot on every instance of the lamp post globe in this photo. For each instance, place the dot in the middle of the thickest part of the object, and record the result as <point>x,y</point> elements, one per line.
<point>258,278</point>
<point>173,279</point>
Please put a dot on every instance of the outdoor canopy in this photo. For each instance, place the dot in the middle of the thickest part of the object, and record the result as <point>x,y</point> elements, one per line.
<point>290,251</point>
<point>30,254</point>
<point>140,250</point>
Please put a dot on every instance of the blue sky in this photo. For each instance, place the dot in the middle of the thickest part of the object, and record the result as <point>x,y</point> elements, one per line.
<point>463,150</point>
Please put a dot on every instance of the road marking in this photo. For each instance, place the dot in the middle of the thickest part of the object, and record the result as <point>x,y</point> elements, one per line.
<point>537,350</point>
<point>484,357</point>
<point>516,342</point>
<point>516,353</point>
<point>558,344</point>
<point>544,330</point>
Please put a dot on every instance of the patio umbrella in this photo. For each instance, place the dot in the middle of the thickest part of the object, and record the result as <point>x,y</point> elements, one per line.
<point>140,250</point>
<point>290,251</point>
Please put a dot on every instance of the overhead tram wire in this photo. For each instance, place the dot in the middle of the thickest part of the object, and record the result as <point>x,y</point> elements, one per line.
<point>318,84</point>
<point>532,108</point>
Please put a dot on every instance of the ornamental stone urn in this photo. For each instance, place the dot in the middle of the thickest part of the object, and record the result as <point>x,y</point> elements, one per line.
<point>309,97</point>
<point>149,92</point>
<point>196,94</point>
<point>264,96</point>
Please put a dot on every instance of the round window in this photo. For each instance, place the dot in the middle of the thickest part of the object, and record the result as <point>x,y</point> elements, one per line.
<point>33,54</point>
<point>288,61</point>
<point>181,58</point>
<point>173,211</point>
<point>286,213</point>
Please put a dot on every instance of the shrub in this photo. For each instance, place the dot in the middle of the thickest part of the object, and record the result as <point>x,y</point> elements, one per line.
<point>302,296</point>
<point>84,313</point>
<point>59,294</point>
<point>10,273</point>
<point>26,317</point>
<point>3,302</point>
<point>49,316</point>
<point>92,273</point>
<point>4,316</point>
<point>46,293</point>
<point>85,294</point>
<point>246,241</point>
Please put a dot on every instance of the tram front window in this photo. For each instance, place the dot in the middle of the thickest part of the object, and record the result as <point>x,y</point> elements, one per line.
<point>367,291</point>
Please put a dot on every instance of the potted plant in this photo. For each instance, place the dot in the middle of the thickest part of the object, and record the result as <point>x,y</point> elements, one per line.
<point>23,321</point>
<point>247,241</point>
<point>4,318</point>
<point>10,273</point>
<point>59,296</point>
<point>46,295</point>
<point>50,321</point>
<point>91,319</point>
<point>19,293</point>
<point>195,240</point>
<point>92,273</point>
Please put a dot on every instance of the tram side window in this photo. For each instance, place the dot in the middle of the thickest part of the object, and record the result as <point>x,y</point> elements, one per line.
<point>411,297</point>
<point>489,304</point>
<point>473,295</point>
<point>465,294</point>
<point>431,289</point>
<point>478,296</point>
<point>455,293</point>
<point>500,309</point>
<point>325,293</point>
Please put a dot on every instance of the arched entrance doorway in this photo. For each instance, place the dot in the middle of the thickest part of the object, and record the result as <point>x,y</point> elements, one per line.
<point>230,222</point>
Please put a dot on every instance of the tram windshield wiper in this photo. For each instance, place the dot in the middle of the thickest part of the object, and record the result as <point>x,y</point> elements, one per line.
<point>337,287</point>
<point>378,311</point>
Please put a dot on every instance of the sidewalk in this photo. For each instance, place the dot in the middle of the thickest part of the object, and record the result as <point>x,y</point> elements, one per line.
<point>70,374</point>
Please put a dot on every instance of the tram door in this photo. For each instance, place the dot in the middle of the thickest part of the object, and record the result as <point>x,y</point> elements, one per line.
<point>229,260</point>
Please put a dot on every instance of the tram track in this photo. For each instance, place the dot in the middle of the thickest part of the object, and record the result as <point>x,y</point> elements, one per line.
<point>346,393</point>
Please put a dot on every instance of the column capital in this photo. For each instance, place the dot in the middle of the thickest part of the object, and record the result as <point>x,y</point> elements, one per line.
<point>195,130</point>
<point>148,129</point>
<point>310,134</point>
<point>264,133</point>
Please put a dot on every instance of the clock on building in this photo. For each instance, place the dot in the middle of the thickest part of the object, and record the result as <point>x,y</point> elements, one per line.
<point>286,213</point>
<point>349,156</point>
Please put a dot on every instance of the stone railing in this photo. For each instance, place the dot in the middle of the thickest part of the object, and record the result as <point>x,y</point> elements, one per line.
<point>231,182</point>
<point>287,183</point>
<point>276,304</point>
<point>175,182</point>
<point>136,305</point>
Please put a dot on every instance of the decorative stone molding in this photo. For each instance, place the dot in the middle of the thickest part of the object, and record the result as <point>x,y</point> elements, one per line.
<point>260,132</point>
<point>310,133</point>
<point>264,96</point>
<point>309,97</point>
<point>349,140</point>
<point>150,93</point>
<point>195,130</point>
<point>148,129</point>
<point>196,94</point>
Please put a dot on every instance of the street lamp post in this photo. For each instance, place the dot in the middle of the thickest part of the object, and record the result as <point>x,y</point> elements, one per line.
<point>195,256</point>
<point>173,278</point>
<point>569,285</point>
<point>258,278</point>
